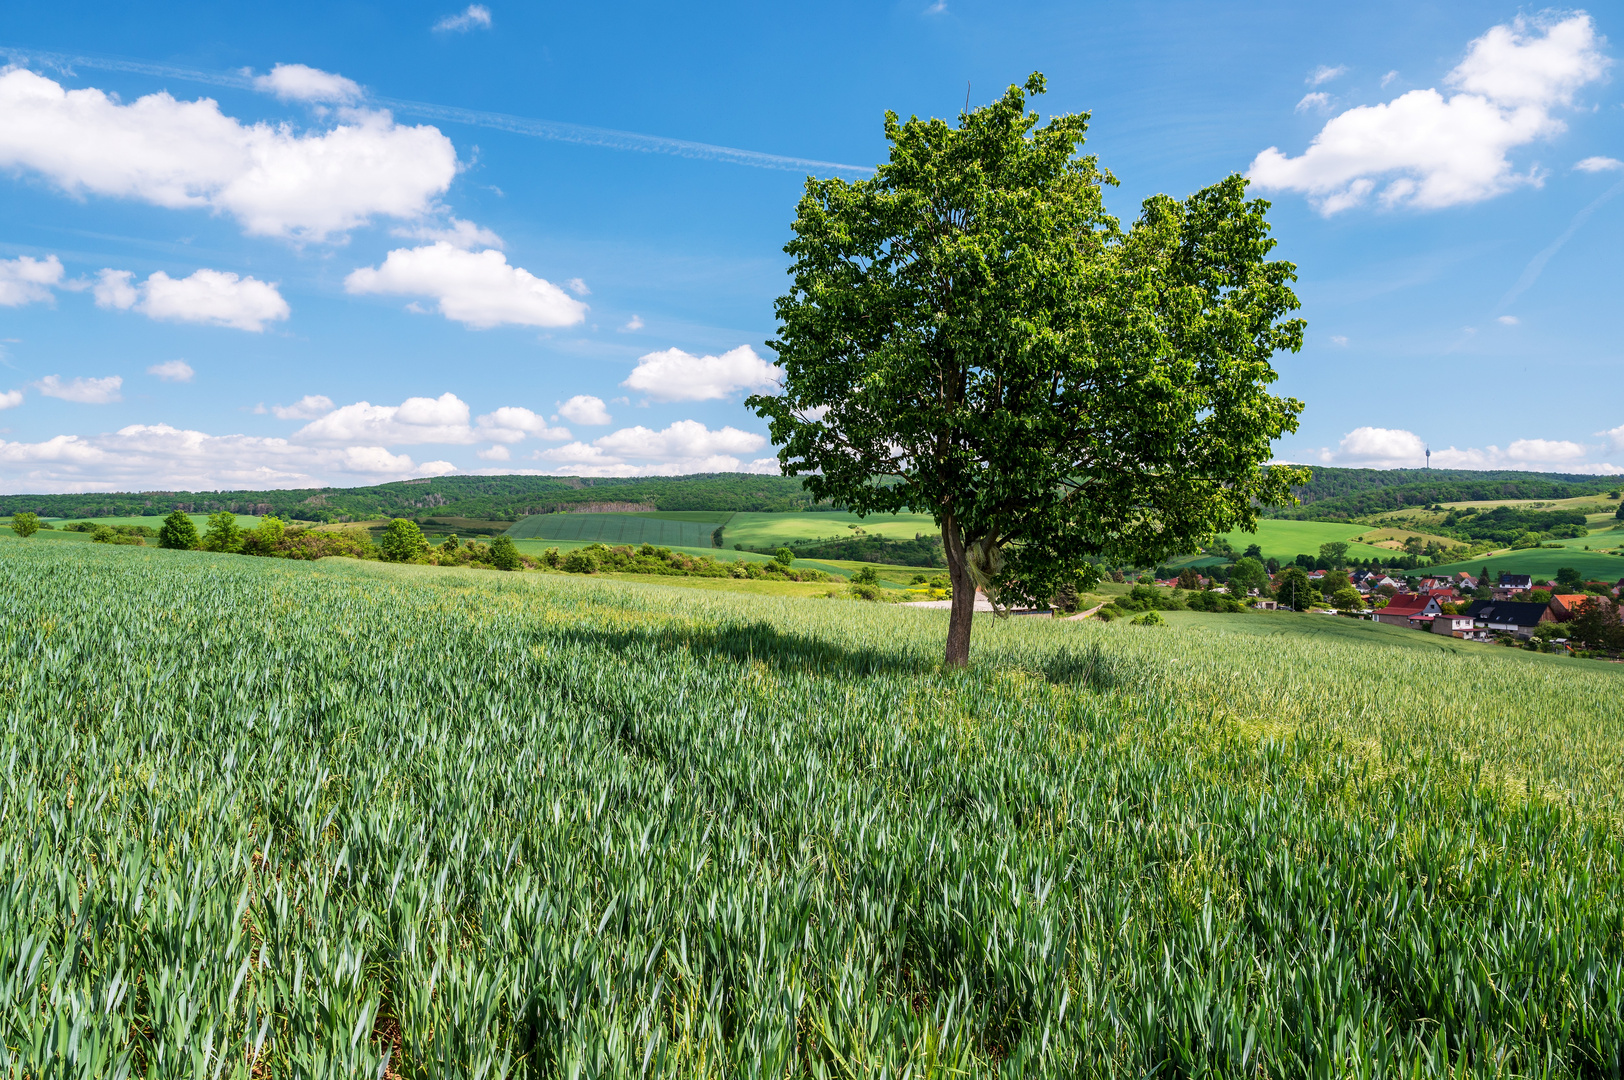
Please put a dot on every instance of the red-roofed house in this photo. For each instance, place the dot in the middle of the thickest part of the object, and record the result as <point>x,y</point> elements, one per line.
<point>1408,609</point>
<point>1564,606</point>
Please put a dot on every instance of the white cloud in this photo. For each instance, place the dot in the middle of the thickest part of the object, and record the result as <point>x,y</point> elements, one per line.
<point>1318,101</point>
<point>1325,73</point>
<point>298,82</point>
<point>306,408</point>
<point>1598,164</point>
<point>1429,151</point>
<point>172,371</point>
<point>83,391</point>
<point>687,446</point>
<point>1388,78</point>
<point>633,323</point>
<point>471,16</point>
<point>495,452</point>
<point>511,423</point>
<point>145,456</point>
<point>673,375</point>
<point>577,286</point>
<point>211,297</point>
<point>456,232</point>
<point>25,280</point>
<point>1507,320</point>
<point>416,420</point>
<point>187,154</point>
<point>10,399</point>
<point>1339,339</point>
<point>1394,448</point>
<point>585,409</point>
<point>476,288</point>
<point>1615,437</point>
<point>112,289</point>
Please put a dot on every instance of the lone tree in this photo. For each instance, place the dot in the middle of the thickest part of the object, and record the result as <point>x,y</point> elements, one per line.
<point>25,524</point>
<point>178,532</point>
<point>402,541</point>
<point>970,335</point>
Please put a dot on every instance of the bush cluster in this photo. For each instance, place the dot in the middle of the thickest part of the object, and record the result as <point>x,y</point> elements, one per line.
<point>648,559</point>
<point>1148,598</point>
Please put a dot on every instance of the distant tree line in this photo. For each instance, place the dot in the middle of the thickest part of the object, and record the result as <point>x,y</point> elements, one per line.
<point>480,497</point>
<point>920,551</point>
<point>1343,494</point>
<point>402,541</point>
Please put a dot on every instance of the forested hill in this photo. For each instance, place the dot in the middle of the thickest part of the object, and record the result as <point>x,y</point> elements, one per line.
<point>488,497</point>
<point>1337,494</point>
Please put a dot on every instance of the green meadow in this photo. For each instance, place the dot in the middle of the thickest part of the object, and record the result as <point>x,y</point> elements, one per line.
<point>271,818</point>
<point>1285,540</point>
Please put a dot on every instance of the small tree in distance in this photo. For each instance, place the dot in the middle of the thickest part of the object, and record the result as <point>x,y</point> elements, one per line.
<point>970,335</point>
<point>178,532</point>
<point>403,541</point>
<point>505,553</point>
<point>224,534</point>
<point>25,524</point>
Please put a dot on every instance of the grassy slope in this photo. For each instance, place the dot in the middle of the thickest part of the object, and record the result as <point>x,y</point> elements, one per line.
<point>1285,540</point>
<point>1543,563</point>
<point>656,529</point>
<point>770,530</point>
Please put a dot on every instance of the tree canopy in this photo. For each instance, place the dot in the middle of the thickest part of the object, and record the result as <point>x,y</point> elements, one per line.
<point>969,334</point>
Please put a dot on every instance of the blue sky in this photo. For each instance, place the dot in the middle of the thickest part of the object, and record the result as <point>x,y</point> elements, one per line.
<point>276,245</point>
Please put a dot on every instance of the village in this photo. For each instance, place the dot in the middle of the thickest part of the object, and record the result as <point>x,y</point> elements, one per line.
<point>1513,609</point>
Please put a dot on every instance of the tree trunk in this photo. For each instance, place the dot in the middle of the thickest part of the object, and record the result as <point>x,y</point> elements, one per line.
<point>962,617</point>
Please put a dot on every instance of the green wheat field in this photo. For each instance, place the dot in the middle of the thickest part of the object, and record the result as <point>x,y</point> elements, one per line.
<point>266,818</point>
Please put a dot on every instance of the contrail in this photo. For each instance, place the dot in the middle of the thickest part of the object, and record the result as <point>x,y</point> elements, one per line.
<point>556,130</point>
<point>1535,265</point>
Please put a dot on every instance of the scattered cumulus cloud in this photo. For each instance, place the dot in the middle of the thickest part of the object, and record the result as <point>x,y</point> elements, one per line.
<point>1507,320</point>
<point>686,446</point>
<point>585,409</point>
<point>476,288</point>
<point>632,324</point>
<point>275,180</point>
<point>1388,78</point>
<point>1394,448</point>
<point>1318,101</point>
<point>456,232</point>
<point>10,399</point>
<point>1339,339</point>
<point>211,297</point>
<point>495,452</point>
<point>172,371</point>
<point>674,375</point>
<point>306,408</point>
<point>577,286</point>
<point>298,82</point>
<point>1427,150</point>
<point>937,8</point>
<point>418,420</point>
<point>1325,73</point>
<point>144,456</point>
<point>82,391</point>
<point>473,15</point>
<point>1598,164</point>
<point>25,280</point>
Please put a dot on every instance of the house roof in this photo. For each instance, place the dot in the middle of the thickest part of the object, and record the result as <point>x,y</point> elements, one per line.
<point>1402,605</point>
<point>1522,581</point>
<point>1509,612</point>
<point>1571,601</point>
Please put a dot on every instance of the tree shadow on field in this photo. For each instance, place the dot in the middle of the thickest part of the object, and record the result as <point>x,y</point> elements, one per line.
<point>752,642</point>
<point>1092,668</point>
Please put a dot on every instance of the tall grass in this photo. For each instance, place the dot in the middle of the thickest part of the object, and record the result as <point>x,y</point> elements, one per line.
<point>336,819</point>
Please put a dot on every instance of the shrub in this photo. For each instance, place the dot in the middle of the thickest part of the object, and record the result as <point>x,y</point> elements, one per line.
<point>866,575</point>
<point>783,556</point>
<point>552,558</point>
<point>403,541</point>
<point>178,533</point>
<point>504,553</point>
<point>1149,618</point>
<point>25,524</point>
<point>581,561</point>
<point>865,591</point>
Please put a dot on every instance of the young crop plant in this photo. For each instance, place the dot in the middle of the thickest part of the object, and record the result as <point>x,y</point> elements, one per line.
<point>276,818</point>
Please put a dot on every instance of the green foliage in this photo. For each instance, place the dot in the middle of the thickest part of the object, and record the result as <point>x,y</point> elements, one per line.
<point>504,555</point>
<point>865,575</point>
<point>25,524</point>
<point>265,539</point>
<point>178,533</point>
<point>1347,598</point>
<point>223,533</point>
<point>1149,618</point>
<point>864,590</point>
<point>1343,494</point>
<point>1596,625</point>
<point>934,339</point>
<point>1335,554</point>
<point>1248,573</point>
<point>1293,589</point>
<point>784,555</point>
<point>1568,576</point>
<point>402,541</point>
